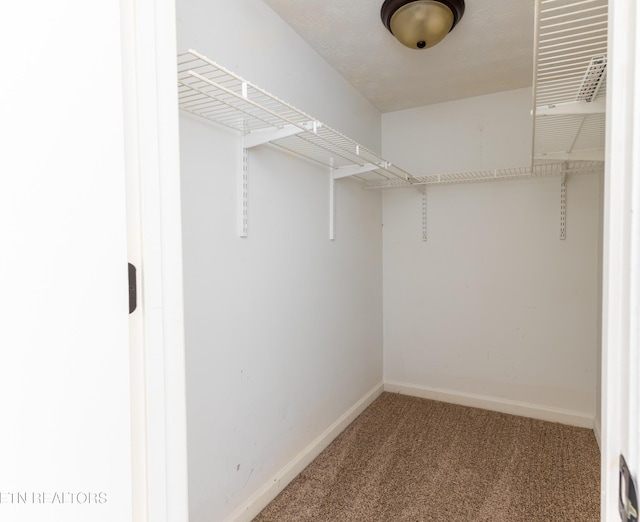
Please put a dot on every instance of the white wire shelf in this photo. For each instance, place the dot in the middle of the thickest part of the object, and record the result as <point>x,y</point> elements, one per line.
<point>536,171</point>
<point>210,91</point>
<point>570,79</point>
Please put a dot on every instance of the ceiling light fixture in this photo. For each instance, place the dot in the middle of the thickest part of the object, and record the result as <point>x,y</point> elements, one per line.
<point>420,24</point>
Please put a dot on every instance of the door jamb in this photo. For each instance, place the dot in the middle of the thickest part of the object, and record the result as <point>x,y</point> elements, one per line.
<point>159,460</point>
<point>621,255</point>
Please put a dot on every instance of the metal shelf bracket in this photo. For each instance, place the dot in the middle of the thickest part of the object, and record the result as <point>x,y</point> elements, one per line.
<point>243,191</point>
<point>264,136</point>
<point>424,212</point>
<point>575,107</point>
<point>332,201</point>
<point>352,170</point>
<point>563,207</point>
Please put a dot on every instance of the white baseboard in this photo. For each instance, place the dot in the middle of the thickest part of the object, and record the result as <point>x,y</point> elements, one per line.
<point>597,432</point>
<point>259,500</point>
<point>535,411</point>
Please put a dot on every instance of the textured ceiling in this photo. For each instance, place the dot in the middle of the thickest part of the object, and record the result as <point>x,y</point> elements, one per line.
<point>490,50</point>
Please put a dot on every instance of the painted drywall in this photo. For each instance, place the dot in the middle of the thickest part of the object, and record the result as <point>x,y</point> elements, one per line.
<point>493,304</point>
<point>283,328</point>
<point>64,378</point>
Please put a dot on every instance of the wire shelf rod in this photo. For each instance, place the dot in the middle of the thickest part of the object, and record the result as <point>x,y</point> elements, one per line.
<point>555,42</point>
<point>564,2</point>
<point>553,83</point>
<point>248,101</point>
<point>223,116</point>
<point>553,100</point>
<point>581,2</point>
<point>557,97</point>
<point>563,71</point>
<point>235,76</point>
<point>602,49</point>
<point>563,50</point>
<point>209,102</point>
<point>568,34</point>
<point>234,107</point>
<point>555,89</point>
<point>573,30</point>
<point>556,77</point>
<point>568,87</point>
<point>574,21</point>
<point>377,172</point>
<point>574,14</point>
<point>510,173</point>
<point>344,154</point>
<point>579,51</point>
<point>315,160</point>
<point>568,9</point>
<point>583,63</point>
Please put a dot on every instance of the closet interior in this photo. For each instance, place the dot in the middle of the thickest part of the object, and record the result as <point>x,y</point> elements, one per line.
<point>462,264</point>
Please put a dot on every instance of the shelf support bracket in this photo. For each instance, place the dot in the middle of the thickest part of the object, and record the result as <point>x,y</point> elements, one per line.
<point>243,190</point>
<point>577,155</point>
<point>352,170</point>
<point>424,212</point>
<point>576,107</point>
<point>563,207</point>
<point>263,136</point>
<point>332,201</point>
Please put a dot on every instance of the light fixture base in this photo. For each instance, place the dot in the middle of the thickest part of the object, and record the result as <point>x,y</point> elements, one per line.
<point>420,24</point>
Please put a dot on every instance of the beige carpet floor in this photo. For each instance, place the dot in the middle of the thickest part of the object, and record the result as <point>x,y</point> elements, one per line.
<point>410,459</point>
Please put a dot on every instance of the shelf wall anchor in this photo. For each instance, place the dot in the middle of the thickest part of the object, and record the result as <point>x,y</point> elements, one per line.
<point>424,213</point>
<point>332,201</point>
<point>243,191</point>
<point>563,207</point>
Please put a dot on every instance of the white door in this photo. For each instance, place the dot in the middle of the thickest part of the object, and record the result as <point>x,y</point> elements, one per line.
<point>621,278</point>
<point>70,379</point>
<point>65,440</point>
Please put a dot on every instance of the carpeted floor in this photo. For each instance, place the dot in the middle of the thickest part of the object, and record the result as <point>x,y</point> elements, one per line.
<point>415,460</point>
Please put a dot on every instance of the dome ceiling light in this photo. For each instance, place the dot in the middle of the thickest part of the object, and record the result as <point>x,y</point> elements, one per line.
<point>420,24</point>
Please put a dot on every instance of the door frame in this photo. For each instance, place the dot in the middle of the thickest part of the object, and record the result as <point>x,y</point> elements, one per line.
<point>158,388</point>
<point>158,382</point>
<point>621,255</point>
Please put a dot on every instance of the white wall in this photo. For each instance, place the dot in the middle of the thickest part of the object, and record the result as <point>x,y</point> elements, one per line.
<point>283,328</point>
<point>493,304</point>
<point>64,376</point>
